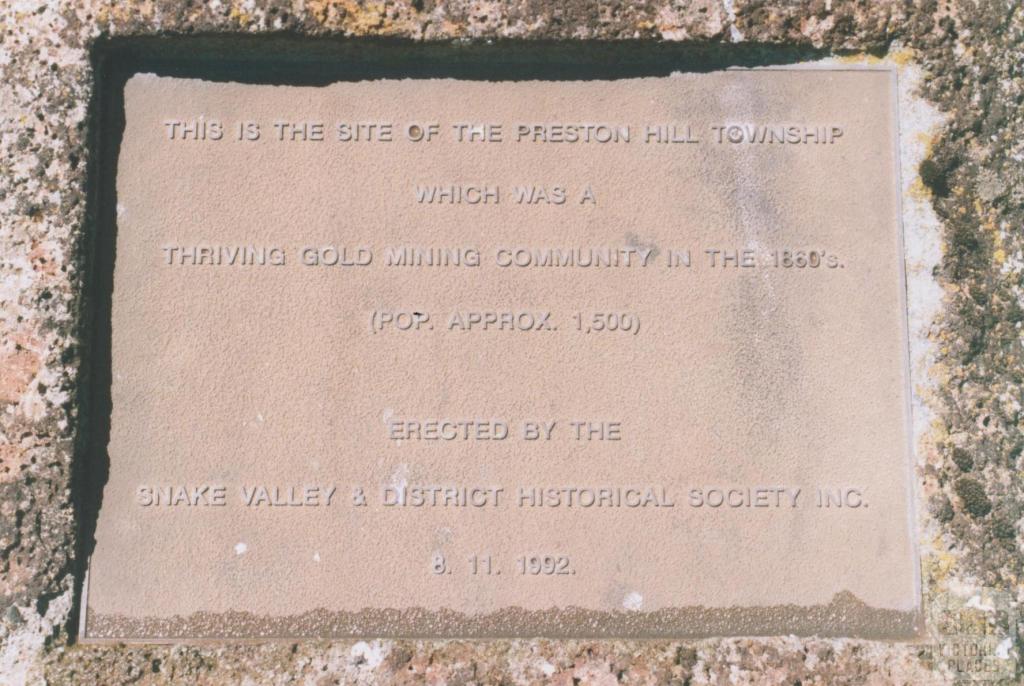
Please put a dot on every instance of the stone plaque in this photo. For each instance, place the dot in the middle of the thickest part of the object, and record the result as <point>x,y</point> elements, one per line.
<point>462,358</point>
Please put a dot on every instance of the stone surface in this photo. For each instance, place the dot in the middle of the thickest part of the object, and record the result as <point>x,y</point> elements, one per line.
<point>721,317</point>
<point>723,313</point>
<point>964,199</point>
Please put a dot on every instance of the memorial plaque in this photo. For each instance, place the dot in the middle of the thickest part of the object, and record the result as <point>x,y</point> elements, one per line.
<point>464,358</point>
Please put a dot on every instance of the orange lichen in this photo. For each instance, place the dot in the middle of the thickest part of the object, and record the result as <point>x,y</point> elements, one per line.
<point>17,369</point>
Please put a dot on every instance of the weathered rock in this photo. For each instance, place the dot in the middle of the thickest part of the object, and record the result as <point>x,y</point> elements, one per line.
<point>973,179</point>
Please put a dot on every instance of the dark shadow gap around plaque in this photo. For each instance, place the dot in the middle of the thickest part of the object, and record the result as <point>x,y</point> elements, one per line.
<point>284,59</point>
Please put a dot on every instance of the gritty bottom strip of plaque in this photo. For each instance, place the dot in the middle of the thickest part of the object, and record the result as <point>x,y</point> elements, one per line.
<point>844,616</point>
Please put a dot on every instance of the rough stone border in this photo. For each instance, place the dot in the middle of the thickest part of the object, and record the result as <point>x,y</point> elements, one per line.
<point>963,185</point>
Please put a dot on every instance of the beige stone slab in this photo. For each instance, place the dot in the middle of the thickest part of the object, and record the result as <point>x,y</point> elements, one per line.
<point>767,386</point>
